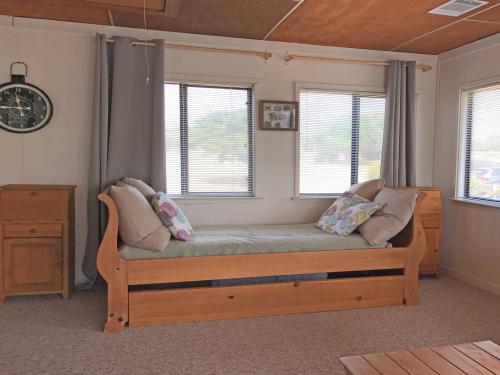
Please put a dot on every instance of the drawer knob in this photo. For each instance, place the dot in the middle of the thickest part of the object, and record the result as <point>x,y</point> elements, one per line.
<point>230,297</point>
<point>35,193</point>
<point>359,298</point>
<point>32,230</point>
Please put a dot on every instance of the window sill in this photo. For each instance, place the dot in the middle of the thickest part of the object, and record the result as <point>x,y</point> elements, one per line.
<point>215,199</point>
<point>475,202</point>
<point>309,197</point>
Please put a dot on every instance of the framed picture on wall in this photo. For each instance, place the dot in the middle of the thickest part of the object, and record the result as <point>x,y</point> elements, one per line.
<point>279,115</point>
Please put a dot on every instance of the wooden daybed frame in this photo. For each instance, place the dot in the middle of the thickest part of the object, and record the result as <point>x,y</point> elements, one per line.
<point>151,307</point>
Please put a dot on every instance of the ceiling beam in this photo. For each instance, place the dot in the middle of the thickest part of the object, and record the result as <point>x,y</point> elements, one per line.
<point>445,26</point>
<point>137,4</point>
<point>299,3</point>
<point>110,16</point>
<point>172,8</point>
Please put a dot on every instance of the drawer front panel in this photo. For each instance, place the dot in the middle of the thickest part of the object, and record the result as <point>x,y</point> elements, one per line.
<point>431,203</point>
<point>431,221</point>
<point>34,204</point>
<point>195,304</point>
<point>33,230</point>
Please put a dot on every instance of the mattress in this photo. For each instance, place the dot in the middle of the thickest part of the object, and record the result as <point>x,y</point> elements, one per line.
<point>252,239</point>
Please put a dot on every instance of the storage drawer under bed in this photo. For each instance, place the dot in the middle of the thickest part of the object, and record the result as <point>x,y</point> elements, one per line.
<point>214,303</point>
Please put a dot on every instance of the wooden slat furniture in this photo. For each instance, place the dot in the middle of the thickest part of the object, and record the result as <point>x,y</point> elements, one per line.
<point>479,358</point>
<point>430,214</point>
<point>149,307</point>
<point>36,240</point>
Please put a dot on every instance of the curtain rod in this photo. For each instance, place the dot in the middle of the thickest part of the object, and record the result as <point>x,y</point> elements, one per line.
<point>288,57</point>
<point>267,55</point>
<point>264,54</point>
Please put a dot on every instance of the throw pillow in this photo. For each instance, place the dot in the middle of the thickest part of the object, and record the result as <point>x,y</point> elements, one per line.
<point>140,185</point>
<point>172,217</point>
<point>138,224</point>
<point>393,218</point>
<point>368,189</point>
<point>346,214</point>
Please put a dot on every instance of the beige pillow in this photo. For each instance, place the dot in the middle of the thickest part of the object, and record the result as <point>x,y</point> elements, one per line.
<point>140,185</point>
<point>368,189</point>
<point>138,224</point>
<point>392,218</point>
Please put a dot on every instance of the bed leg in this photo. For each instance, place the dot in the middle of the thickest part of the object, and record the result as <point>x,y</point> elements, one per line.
<point>410,293</point>
<point>117,315</point>
<point>415,254</point>
<point>114,270</point>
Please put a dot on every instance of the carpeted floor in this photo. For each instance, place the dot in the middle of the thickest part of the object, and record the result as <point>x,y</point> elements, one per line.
<point>47,335</point>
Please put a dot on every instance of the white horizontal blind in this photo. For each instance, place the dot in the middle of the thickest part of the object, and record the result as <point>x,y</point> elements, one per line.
<point>209,137</point>
<point>340,140</point>
<point>482,144</point>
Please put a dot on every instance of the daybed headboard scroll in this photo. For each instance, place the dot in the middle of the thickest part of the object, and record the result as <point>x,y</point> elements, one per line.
<point>405,237</point>
<point>108,247</point>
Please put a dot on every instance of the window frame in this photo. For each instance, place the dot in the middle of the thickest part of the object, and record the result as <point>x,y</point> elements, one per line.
<point>183,127</point>
<point>376,91</point>
<point>462,178</point>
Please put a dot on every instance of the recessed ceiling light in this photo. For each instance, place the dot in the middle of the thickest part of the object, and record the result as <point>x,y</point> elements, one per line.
<point>455,8</point>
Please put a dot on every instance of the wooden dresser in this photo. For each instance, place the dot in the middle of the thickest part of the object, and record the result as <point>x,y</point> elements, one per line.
<point>430,213</point>
<point>36,240</point>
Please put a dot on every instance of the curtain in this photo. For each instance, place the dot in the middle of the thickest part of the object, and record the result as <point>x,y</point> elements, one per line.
<point>398,149</point>
<point>128,137</point>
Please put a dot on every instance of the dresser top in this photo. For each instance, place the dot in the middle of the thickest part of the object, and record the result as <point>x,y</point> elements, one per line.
<point>31,187</point>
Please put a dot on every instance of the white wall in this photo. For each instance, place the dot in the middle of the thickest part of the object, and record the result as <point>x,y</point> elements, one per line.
<point>61,63</point>
<point>471,236</point>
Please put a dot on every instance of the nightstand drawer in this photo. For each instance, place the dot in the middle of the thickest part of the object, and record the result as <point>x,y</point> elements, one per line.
<point>34,204</point>
<point>32,230</point>
<point>431,221</point>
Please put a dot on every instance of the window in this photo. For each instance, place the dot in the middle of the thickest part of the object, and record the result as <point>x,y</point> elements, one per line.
<point>340,140</point>
<point>209,140</point>
<point>481,144</point>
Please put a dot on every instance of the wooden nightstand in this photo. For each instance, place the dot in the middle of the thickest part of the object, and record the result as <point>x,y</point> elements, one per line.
<point>36,240</point>
<point>430,214</point>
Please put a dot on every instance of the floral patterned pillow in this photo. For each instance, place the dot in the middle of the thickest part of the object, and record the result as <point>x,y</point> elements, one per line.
<point>347,213</point>
<point>172,217</point>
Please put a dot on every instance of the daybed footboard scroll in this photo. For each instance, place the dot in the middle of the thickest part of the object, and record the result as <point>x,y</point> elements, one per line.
<point>113,269</point>
<point>415,253</point>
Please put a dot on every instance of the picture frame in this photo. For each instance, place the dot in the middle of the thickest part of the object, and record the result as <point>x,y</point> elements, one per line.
<point>279,115</point>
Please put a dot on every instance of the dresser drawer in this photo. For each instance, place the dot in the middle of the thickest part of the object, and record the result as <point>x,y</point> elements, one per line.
<point>34,204</point>
<point>32,230</point>
<point>431,204</point>
<point>431,221</point>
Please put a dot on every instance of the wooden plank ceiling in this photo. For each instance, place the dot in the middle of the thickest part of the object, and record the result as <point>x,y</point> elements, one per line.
<point>394,25</point>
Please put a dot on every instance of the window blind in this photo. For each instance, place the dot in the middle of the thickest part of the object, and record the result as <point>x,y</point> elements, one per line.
<point>209,140</point>
<point>340,140</point>
<point>481,167</point>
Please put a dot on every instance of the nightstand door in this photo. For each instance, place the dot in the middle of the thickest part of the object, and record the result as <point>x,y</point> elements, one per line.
<point>432,237</point>
<point>32,264</point>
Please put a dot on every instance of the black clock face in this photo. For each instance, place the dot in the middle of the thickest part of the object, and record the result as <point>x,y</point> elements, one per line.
<point>23,108</point>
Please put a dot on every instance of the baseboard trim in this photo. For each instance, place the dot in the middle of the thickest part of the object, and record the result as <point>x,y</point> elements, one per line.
<point>471,280</point>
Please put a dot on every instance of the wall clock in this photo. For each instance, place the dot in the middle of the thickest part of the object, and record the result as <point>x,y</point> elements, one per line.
<point>24,108</point>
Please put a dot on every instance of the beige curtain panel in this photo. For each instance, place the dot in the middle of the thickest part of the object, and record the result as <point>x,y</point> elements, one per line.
<point>398,150</point>
<point>128,137</point>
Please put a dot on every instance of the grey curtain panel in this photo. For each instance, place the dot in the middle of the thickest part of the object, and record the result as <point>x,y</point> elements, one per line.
<point>398,150</point>
<point>128,137</point>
